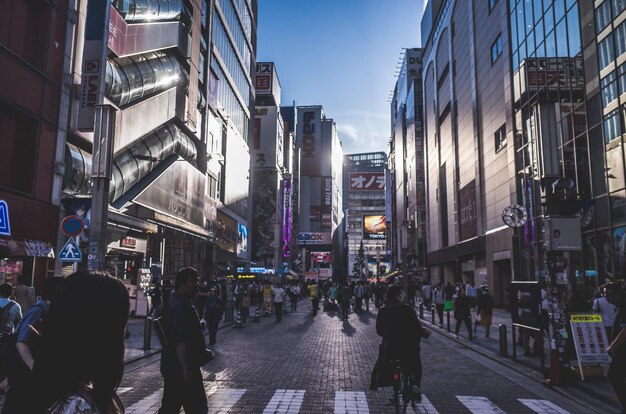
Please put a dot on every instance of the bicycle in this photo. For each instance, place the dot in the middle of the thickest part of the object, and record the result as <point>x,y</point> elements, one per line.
<point>403,395</point>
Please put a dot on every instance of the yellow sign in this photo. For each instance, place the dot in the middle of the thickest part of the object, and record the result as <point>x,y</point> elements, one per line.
<point>586,318</point>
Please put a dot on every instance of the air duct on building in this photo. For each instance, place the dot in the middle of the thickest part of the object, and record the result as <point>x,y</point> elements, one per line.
<point>130,164</point>
<point>150,10</point>
<point>132,78</point>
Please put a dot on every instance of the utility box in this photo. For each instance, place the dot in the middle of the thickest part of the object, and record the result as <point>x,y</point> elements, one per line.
<point>562,234</point>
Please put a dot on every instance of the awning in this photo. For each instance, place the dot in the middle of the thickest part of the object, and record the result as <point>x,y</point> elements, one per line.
<point>32,248</point>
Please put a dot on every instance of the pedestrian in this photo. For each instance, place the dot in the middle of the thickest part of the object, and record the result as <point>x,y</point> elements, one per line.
<point>472,293</point>
<point>439,297</point>
<point>607,309</point>
<point>315,297</point>
<point>411,291</point>
<point>22,295</point>
<point>617,349</point>
<point>294,295</point>
<point>449,289</point>
<point>279,296</point>
<point>377,291</point>
<point>213,314</point>
<point>358,298</point>
<point>332,292</point>
<point>244,303</point>
<point>345,296</point>
<point>203,294</point>
<point>10,310</point>
<point>81,363</point>
<point>155,300</point>
<point>28,346</point>
<point>427,294</point>
<point>484,309</point>
<point>462,313</point>
<point>185,351</point>
<point>367,293</point>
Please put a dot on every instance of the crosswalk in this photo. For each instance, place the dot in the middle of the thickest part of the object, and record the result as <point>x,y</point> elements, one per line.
<point>285,401</point>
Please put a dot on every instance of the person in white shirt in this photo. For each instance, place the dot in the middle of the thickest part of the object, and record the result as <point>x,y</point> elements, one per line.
<point>472,293</point>
<point>427,294</point>
<point>279,295</point>
<point>603,306</point>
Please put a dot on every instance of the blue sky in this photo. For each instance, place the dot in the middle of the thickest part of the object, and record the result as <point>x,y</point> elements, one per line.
<point>343,55</point>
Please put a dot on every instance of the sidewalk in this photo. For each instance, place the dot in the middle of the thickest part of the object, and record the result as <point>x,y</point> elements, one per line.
<point>599,388</point>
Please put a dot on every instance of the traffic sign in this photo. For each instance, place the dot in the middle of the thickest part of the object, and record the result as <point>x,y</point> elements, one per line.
<point>70,252</point>
<point>5,224</point>
<point>72,226</point>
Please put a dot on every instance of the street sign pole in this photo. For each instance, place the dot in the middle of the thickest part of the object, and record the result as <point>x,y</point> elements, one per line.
<point>104,135</point>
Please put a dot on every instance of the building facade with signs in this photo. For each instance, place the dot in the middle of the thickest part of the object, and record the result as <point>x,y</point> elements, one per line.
<point>364,192</point>
<point>320,190</point>
<point>468,130</point>
<point>406,164</point>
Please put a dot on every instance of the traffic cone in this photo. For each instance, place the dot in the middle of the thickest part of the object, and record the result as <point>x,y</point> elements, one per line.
<point>556,377</point>
<point>238,322</point>
<point>257,315</point>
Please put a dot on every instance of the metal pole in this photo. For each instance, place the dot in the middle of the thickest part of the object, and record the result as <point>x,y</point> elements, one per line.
<point>514,343</point>
<point>503,341</point>
<point>448,319</point>
<point>432,314</point>
<point>421,310</point>
<point>103,139</point>
<point>147,333</point>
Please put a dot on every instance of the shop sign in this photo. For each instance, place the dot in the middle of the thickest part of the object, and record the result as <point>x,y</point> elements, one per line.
<point>527,304</point>
<point>314,238</point>
<point>226,233</point>
<point>590,339</point>
<point>128,242</point>
<point>367,181</point>
<point>5,224</point>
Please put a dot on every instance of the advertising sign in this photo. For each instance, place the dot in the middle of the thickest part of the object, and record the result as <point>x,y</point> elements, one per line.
<point>467,209</point>
<point>327,202</point>
<point>242,240</point>
<point>226,232</point>
<point>526,309</point>
<point>314,238</point>
<point>590,339</point>
<point>374,227</point>
<point>10,270</point>
<point>367,181</point>
<point>309,128</point>
<point>263,217</point>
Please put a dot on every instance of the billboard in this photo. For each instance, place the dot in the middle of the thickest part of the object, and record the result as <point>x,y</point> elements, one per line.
<point>367,181</point>
<point>314,238</point>
<point>374,227</point>
<point>327,202</point>
<point>467,208</point>
<point>242,241</point>
<point>264,216</point>
<point>310,130</point>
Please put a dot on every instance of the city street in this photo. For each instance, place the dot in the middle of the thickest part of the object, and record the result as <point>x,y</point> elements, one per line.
<point>320,365</point>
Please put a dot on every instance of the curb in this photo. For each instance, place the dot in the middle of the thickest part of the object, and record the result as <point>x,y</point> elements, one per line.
<point>526,371</point>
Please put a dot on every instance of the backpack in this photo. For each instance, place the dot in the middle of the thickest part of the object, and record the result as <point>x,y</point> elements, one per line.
<point>4,318</point>
<point>10,359</point>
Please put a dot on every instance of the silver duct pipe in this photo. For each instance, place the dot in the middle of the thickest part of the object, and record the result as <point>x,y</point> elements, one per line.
<point>130,164</point>
<point>149,10</point>
<point>132,78</point>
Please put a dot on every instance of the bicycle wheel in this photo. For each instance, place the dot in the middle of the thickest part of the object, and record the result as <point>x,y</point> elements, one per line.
<point>405,395</point>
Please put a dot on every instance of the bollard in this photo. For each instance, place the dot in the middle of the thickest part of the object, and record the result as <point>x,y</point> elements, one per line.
<point>432,314</point>
<point>514,343</point>
<point>147,333</point>
<point>448,319</point>
<point>421,310</point>
<point>504,350</point>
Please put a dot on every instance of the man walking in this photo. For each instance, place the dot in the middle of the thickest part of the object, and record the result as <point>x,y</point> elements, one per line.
<point>607,309</point>
<point>345,295</point>
<point>185,351</point>
<point>427,293</point>
<point>485,309</point>
<point>358,298</point>
<point>213,314</point>
<point>279,296</point>
<point>439,296</point>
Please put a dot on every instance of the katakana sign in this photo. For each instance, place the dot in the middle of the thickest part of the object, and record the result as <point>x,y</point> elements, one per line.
<point>367,181</point>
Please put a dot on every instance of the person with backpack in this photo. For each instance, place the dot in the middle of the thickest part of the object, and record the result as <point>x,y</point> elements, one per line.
<point>28,346</point>
<point>10,311</point>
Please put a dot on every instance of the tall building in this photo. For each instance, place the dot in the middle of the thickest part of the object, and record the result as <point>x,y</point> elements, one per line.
<point>603,28</point>
<point>468,130</point>
<point>320,194</point>
<point>406,164</point>
<point>364,192</point>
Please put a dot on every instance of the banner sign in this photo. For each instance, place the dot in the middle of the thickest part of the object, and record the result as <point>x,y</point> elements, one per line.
<point>367,181</point>
<point>590,339</point>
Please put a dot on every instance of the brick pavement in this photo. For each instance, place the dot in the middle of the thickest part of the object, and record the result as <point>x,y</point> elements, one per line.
<point>320,365</point>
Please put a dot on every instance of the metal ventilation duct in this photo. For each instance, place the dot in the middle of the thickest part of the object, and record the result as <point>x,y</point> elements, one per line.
<point>130,164</point>
<point>132,78</point>
<point>150,10</point>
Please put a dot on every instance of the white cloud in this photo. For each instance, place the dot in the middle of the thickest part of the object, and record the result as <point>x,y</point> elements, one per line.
<point>363,131</point>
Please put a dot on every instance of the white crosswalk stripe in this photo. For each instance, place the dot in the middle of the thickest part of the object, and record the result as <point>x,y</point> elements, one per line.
<point>223,399</point>
<point>479,405</point>
<point>285,401</point>
<point>122,390</point>
<point>426,407</point>
<point>146,403</point>
<point>542,406</point>
<point>351,402</point>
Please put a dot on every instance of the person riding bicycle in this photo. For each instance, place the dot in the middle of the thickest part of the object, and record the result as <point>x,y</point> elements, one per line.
<point>398,325</point>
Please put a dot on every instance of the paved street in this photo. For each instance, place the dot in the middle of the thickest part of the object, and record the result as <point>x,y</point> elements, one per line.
<point>320,365</point>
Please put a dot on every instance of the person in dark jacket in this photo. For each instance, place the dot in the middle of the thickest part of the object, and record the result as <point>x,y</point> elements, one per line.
<point>484,305</point>
<point>213,314</point>
<point>401,330</point>
<point>462,313</point>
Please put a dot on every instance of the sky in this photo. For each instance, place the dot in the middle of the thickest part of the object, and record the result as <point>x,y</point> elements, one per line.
<point>343,55</point>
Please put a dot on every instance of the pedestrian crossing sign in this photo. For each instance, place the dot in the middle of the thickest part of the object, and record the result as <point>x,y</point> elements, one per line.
<point>70,252</point>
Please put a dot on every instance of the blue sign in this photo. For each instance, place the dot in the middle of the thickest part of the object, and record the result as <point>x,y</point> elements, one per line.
<point>70,252</point>
<point>5,224</point>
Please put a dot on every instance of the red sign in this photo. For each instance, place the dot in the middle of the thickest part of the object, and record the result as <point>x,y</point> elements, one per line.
<point>128,242</point>
<point>367,181</point>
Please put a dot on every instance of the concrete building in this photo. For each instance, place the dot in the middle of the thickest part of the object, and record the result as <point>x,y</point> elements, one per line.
<point>468,130</point>
<point>321,216</point>
<point>365,206</point>
<point>406,164</point>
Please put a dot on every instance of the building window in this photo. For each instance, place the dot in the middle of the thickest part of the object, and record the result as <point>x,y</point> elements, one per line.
<point>609,89</point>
<point>606,55</point>
<point>500,138</point>
<point>19,149</point>
<point>612,126</point>
<point>496,49</point>
<point>621,78</point>
<point>492,4</point>
<point>620,40</point>
<point>603,16</point>
<point>618,6</point>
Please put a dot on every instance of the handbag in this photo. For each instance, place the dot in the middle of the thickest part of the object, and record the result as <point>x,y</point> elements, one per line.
<point>448,306</point>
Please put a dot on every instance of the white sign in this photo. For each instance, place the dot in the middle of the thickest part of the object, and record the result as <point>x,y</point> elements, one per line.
<point>70,252</point>
<point>589,339</point>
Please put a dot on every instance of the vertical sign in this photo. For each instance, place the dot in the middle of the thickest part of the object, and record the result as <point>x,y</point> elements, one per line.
<point>94,61</point>
<point>327,202</point>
